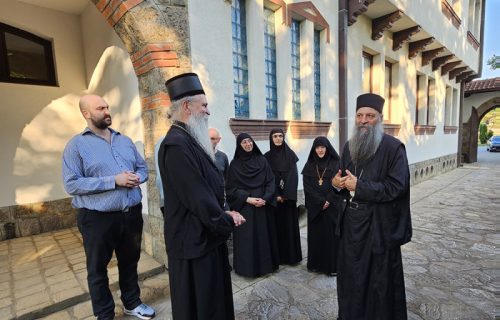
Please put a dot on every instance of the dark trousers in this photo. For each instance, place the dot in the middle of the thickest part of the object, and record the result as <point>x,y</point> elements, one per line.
<point>103,233</point>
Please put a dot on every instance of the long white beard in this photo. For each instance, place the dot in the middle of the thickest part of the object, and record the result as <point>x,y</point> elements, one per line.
<point>198,128</point>
<point>364,143</point>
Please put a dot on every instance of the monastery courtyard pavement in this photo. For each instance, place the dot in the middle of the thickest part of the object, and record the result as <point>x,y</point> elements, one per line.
<point>450,266</point>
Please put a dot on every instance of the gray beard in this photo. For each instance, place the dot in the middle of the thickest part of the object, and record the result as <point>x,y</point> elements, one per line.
<point>198,128</point>
<point>364,144</point>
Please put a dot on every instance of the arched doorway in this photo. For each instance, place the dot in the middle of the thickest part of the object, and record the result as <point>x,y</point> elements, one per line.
<point>156,36</point>
<point>38,120</point>
<point>471,128</point>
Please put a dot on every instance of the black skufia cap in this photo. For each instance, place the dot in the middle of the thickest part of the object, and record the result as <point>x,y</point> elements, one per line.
<point>370,100</point>
<point>186,84</point>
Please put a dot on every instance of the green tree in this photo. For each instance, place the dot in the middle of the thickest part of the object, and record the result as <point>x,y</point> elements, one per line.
<point>483,133</point>
<point>494,62</point>
<point>490,134</point>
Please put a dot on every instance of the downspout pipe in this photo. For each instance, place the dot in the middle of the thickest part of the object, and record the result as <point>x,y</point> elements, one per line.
<point>343,18</point>
<point>481,39</point>
<point>462,85</point>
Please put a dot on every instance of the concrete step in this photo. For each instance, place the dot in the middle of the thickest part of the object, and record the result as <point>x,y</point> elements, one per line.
<point>46,273</point>
<point>153,290</point>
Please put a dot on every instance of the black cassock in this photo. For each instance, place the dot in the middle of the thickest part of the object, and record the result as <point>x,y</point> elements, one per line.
<point>283,162</point>
<point>370,279</point>
<point>196,229</point>
<point>322,242</point>
<point>255,247</point>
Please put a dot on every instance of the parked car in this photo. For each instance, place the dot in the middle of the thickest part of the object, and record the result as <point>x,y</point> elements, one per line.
<point>493,144</point>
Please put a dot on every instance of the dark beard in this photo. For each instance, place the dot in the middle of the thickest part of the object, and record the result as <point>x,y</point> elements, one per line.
<point>102,124</point>
<point>364,143</point>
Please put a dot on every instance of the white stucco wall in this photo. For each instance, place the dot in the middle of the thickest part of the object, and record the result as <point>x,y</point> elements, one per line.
<point>476,101</point>
<point>211,49</point>
<point>419,147</point>
<point>37,121</point>
<point>429,16</point>
<point>109,72</point>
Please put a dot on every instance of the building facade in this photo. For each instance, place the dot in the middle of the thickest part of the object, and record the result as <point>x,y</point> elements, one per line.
<point>296,65</point>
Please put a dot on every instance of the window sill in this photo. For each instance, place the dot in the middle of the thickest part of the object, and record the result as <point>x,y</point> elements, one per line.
<point>448,11</point>
<point>421,129</point>
<point>450,129</point>
<point>259,129</point>
<point>392,129</point>
<point>472,40</point>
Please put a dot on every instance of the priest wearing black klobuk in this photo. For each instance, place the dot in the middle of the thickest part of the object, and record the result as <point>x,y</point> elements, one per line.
<point>283,162</point>
<point>323,204</point>
<point>250,191</point>
<point>375,182</point>
<point>196,226</point>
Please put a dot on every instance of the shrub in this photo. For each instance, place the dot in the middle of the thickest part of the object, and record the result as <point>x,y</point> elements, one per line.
<point>483,133</point>
<point>490,134</point>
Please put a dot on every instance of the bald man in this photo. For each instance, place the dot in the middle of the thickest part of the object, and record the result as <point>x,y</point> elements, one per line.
<point>220,157</point>
<point>102,170</point>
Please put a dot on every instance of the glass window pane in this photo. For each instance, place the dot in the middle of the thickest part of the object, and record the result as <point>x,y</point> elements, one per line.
<point>26,58</point>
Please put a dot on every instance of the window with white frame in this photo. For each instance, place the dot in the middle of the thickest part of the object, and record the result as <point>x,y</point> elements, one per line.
<point>295,41</point>
<point>454,108</point>
<point>477,18</point>
<point>431,102</point>
<point>388,92</point>
<point>270,62</point>
<point>474,17</point>
<point>240,64</point>
<point>317,75</point>
<point>421,100</point>
<point>367,71</point>
<point>448,100</point>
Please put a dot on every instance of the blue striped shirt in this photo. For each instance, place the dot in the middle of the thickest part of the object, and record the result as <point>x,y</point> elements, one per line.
<point>90,165</point>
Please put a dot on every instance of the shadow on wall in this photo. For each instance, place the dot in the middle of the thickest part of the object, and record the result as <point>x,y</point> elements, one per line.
<point>38,202</point>
<point>37,162</point>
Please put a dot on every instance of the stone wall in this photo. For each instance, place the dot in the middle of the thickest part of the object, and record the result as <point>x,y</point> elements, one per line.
<point>427,169</point>
<point>34,218</point>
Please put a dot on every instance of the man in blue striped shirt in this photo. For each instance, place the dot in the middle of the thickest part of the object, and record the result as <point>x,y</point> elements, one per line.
<point>102,170</point>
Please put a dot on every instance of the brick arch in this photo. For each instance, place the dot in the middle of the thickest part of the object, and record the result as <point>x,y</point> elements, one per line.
<point>156,36</point>
<point>471,129</point>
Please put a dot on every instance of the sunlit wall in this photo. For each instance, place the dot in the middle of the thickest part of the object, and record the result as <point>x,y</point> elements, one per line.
<point>211,49</point>
<point>37,121</point>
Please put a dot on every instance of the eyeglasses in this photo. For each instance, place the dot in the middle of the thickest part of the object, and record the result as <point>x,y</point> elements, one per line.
<point>214,139</point>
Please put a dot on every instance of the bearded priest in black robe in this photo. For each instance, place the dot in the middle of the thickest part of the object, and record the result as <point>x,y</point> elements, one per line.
<point>196,225</point>
<point>322,202</point>
<point>283,162</point>
<point>375,181</point>
<point>250,191</point>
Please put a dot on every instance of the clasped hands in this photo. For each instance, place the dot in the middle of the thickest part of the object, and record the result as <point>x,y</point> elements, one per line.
<point>128,179</point>
<point>257,202</point>
<point>348,181</point>
<point>238,219</point>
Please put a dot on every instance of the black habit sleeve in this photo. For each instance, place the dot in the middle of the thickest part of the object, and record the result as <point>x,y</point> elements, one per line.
<point>394,184</point>
<point>269,187</point>
<point>314,198</point>
<point>236,198</point>
<point>194,192</point>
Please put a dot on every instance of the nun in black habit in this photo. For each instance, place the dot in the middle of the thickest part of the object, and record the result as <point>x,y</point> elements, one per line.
<point>250,191</point>
<point>322,202</point>
<point>283,162</point>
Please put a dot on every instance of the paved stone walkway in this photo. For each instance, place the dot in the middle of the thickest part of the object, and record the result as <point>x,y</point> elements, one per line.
<point>45,273</point>
<point>450,265</point>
